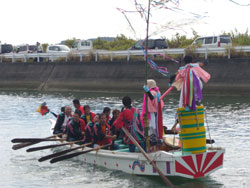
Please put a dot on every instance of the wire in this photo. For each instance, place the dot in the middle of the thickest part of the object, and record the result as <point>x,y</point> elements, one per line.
<point>244,5</point>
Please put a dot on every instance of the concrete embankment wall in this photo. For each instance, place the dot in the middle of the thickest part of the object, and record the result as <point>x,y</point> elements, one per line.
<point>227,76</point>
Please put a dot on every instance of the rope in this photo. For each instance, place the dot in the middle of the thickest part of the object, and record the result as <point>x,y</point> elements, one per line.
<point>208,127</point>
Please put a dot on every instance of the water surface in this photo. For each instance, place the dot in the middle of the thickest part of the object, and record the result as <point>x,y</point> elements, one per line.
<point>227,117</point>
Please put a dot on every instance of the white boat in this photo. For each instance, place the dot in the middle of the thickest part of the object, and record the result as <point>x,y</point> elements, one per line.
<point>172,163</point>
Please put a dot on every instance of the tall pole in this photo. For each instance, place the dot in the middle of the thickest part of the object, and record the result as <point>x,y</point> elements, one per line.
<point>146,123</point>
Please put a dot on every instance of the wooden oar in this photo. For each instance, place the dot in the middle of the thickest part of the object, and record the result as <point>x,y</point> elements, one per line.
<point>51,146</point>
<point>164,178</point>
<point>22,145</point>
<point>61,153</point>
<point>64,157</point>
<point>18,140</point>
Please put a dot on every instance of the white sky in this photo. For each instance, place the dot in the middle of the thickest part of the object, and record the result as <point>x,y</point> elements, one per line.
<point>51,21</point>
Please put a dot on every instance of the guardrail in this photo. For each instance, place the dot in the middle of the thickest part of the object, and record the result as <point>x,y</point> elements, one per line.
<point>126,53</point>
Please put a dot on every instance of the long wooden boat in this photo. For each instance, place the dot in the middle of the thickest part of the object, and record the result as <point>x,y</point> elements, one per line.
<point>172,163</point>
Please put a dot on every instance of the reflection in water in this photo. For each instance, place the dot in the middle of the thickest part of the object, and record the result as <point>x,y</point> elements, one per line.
<point>227,117</point>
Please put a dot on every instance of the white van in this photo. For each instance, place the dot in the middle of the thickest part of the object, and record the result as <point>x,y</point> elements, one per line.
<point>82,45</point>
<point>213,41</point>
<point>58,49</point>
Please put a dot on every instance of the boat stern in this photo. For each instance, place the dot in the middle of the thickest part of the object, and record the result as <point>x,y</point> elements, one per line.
<point>195,166</point>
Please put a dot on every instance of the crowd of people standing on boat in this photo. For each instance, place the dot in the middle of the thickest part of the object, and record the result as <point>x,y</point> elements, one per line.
<point>100,129</point>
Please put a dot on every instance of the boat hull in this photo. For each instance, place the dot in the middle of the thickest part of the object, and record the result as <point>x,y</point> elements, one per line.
<point>174,163</point>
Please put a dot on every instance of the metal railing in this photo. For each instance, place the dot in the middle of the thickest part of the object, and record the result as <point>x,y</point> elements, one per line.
<point>125,53</point>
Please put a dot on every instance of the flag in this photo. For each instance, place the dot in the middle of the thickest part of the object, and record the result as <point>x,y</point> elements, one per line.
<point>43,109</point>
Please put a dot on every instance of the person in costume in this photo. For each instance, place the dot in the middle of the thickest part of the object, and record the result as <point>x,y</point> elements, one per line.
<point>130,119</point>
<point>154,113</point>
<point>188,81</point>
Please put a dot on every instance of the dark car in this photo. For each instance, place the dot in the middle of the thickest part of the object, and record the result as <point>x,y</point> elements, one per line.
<point>152,44</point>
<point>6,48</point>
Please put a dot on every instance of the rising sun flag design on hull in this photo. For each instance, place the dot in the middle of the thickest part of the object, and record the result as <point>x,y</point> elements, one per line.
<point>199,165</point>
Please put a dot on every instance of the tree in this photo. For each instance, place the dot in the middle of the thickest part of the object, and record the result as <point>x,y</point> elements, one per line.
<point>121,42</point>
<point>45,45</point>
<point>70,42</point>
<point>239,39</point>
<point>101,44</point>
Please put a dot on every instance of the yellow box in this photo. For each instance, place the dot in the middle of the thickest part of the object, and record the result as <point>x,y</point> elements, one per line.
<point>193,132</point>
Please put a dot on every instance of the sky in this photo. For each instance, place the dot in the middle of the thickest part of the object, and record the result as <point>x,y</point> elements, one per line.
<point>51,21</point>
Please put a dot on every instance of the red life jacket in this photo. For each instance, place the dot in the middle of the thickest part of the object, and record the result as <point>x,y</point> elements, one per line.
<point>107,132</point>
<point>81,109</point>
<point>83,125</point>
<point>107,119</point>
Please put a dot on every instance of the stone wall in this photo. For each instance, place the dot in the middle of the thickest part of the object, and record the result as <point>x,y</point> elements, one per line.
<point>227,76</point>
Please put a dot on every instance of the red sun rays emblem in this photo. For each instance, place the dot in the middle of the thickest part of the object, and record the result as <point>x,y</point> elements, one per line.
<point>199,165</point>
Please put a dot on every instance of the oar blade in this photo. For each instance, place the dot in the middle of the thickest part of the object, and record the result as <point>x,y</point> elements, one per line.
<point>20,140</point>
<point>61,158</point>
<point>22,145</point>
<point>64,157</point>
<point>44,147</point>
<point>50,146</point>
<point>60,153</point>
<point>47,157</point>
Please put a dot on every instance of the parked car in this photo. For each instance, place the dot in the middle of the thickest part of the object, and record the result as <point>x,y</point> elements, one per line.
<point>152,44</point>
<point>82,45</point>
<point>24,49</point>
<point>213,41</point>
<point>5,48</point>
<point>58,49</point>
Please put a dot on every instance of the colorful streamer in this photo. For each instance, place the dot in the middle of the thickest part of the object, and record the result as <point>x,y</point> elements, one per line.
<point>43,109</point>
<point>191,89</point>
<point>153,65</point>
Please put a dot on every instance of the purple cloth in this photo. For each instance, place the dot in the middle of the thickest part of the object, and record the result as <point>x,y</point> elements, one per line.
<point>197,93</point>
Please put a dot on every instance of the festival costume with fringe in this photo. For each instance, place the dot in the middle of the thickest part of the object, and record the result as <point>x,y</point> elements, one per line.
<point>188,80</point>
<point>154,115</point>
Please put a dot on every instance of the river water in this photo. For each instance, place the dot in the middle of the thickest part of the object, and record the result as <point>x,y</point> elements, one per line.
<point>227,116</point>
